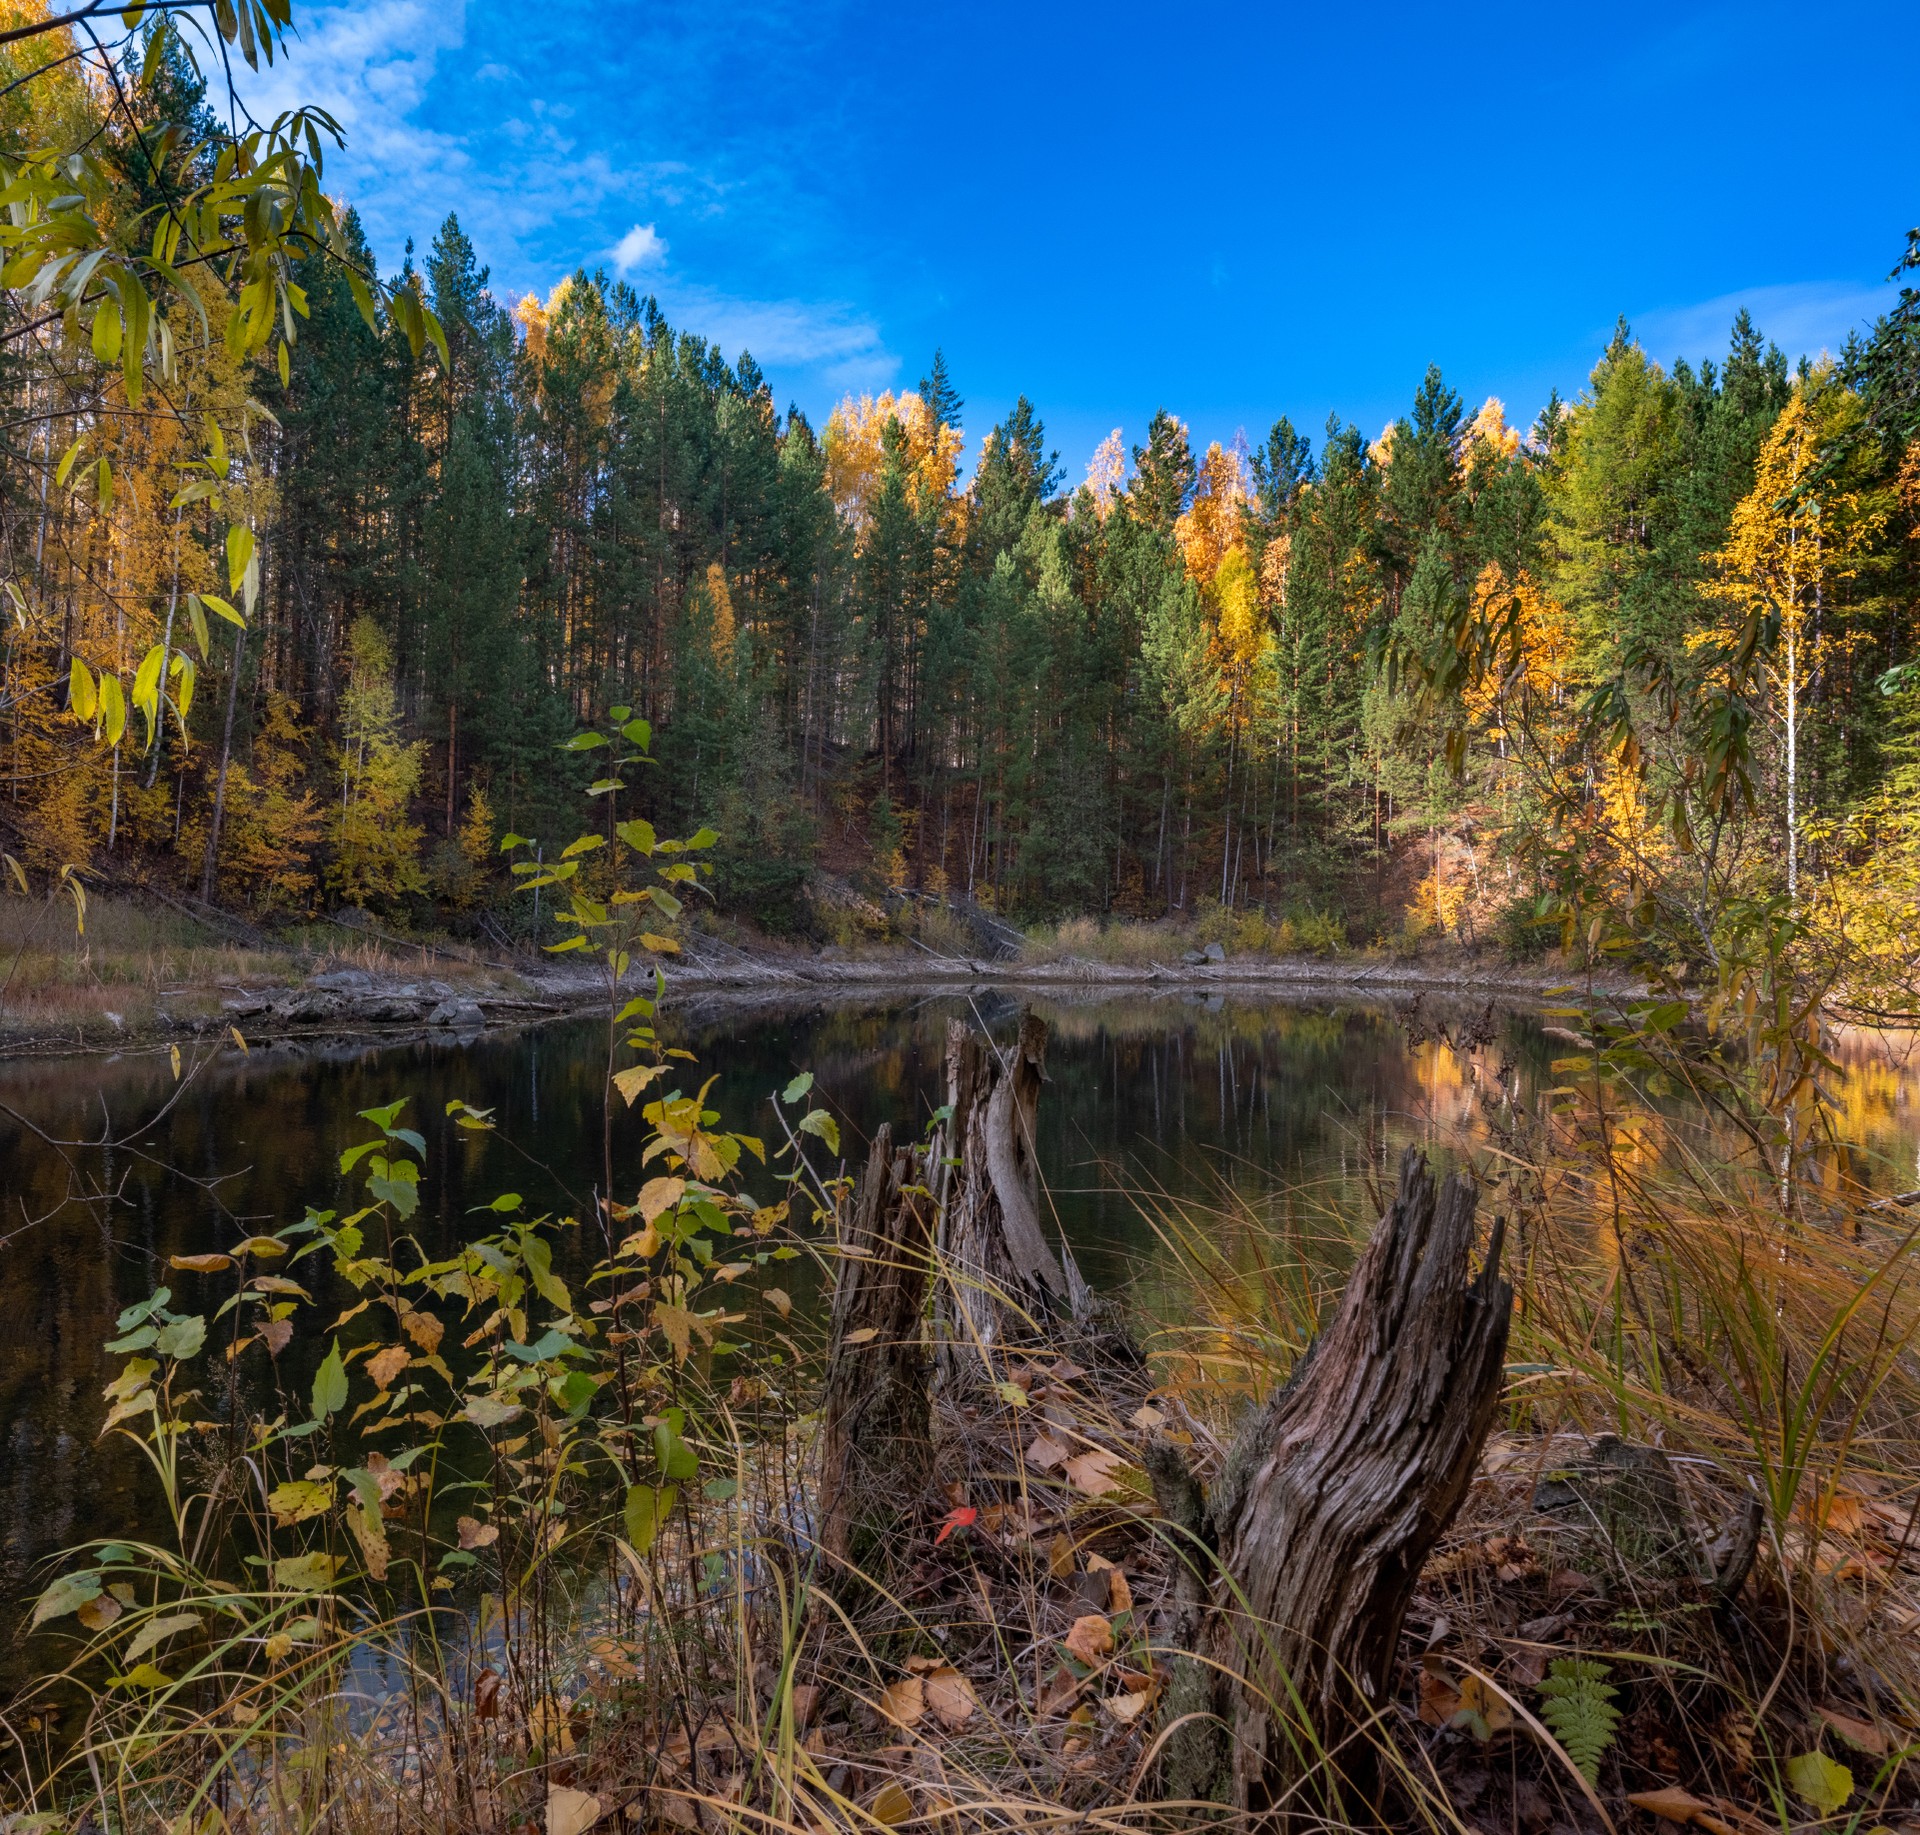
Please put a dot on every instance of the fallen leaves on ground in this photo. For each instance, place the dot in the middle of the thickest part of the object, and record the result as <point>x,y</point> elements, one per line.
<point>904,1702</point>
<point>1091,1639</point>
<point>570,1812</point>
<point>1093,1472</point>
<point>1861,1734</point>
<point>950,1695</point>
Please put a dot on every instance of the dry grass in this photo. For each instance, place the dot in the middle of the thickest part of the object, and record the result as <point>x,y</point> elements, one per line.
<point>1123,943</point>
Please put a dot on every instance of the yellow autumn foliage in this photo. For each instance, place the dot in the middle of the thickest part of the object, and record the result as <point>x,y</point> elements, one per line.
<point>856,450</point>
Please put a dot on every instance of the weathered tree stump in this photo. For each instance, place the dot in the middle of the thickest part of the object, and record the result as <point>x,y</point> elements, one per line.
<point>1000,1277</point>
<point>876,1427</point>
<point>1333,1495</point>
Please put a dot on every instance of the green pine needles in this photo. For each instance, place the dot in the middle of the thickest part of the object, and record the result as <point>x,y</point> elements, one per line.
<point>1579,1708</point>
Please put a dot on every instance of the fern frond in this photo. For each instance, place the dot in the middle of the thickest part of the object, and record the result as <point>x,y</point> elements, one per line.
<point>1579,1709</point>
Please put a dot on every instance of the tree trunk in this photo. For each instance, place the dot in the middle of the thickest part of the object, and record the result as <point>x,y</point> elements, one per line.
<point>999,1276</point>
<point>876,1431</point>
<point>1332,1497</point>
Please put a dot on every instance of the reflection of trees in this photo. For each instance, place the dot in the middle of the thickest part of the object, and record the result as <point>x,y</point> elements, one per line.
<point>1273,1104</point>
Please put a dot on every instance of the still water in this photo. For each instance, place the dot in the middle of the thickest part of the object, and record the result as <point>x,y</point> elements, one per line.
<point>1270,1102</point>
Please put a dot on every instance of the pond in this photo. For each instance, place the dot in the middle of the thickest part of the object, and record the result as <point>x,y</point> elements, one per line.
<point>1253,1099</point>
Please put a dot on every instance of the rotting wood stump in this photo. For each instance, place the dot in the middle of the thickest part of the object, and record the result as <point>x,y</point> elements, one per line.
<point>1332,1496</point>
<point>1000,1277</point>
<point>876,1413</point>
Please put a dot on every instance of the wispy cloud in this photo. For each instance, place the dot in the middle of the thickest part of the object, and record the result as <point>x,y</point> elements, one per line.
<point>1804,318</point>
<point>842,348</point>
<point>542,185</point>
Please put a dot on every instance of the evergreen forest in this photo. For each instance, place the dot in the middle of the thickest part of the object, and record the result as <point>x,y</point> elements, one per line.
<point>1421,681</point>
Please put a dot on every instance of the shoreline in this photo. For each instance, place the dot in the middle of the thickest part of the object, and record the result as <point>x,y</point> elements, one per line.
<point>338,1004</point>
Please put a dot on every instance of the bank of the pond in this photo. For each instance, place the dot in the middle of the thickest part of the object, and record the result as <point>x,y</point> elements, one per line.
<point>387,987</point>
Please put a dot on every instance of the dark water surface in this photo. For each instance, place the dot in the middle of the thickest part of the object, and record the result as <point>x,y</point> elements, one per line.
<point>1191,1096</point>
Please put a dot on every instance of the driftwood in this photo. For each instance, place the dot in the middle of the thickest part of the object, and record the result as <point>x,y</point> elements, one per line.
<point>1001,1278</point>
<point>1332,1496</point>
<point>876,1426</point>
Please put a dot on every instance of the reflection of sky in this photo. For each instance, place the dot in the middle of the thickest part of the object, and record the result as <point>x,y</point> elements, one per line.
<point>1255,211</point>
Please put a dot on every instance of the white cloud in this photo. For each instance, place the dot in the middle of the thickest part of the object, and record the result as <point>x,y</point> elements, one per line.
<point>845,349</point>
<point>641,247</point>
<point>1804,318</point>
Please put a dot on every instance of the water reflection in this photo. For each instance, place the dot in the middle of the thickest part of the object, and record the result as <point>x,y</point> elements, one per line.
<point>1194,1097</point>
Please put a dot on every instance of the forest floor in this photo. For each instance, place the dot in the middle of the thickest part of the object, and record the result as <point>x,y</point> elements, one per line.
<point>143,973</point>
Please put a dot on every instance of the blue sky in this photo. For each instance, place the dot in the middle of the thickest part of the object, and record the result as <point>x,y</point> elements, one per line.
<point>1234,212</point>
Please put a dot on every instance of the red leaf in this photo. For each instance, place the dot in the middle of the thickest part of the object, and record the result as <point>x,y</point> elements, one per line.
<point>962,1518</point>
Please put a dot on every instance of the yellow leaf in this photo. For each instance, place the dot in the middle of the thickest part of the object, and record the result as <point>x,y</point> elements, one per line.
<point>476,1534</point>
<point>570,1812</point>
<point>1820,1781</point>
<point>1060,1559</point>
<point>200,1264</point>
<point>632,1081</point>
<point>950,1695</point>
<point>384,1365</point>
<point>658,1196</point>
<point>904,1702</point>
<point>891,1805</point>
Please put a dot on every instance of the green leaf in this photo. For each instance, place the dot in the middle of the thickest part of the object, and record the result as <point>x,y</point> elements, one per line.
<point>798,1087</point>
<point>306,1573</point>
<point>648,1506</point>
<point>639,733</point>
<point>818,1121</point>
<point>67,458</point>
<point>183,1338</point>
<point>637,835</point>
<point>67,1594</point>
<point>1578,1706</point>
<point>330,1385</point>
<point>585,742</point>
<point>706,837</point>
<point>585,845</point>
<point>1820,1781</point>
<point>299,1499</point>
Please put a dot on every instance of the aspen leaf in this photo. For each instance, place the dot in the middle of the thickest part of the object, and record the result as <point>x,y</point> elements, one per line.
<point>1128,1707</point>
<point>570,1812</point>
<point>632,1081</point>
<point>1060,1558</point>
<point>865,1335</point>
<point>476,1534</point>
<point>904,1702</point>
<point>98,1614</point>
<point>306,1573</point>
<point>891,1805</point>
<point>1044,1453</point>
<point>1091,1639</point>
<point>1820,1781</point>
<point>1119,1593</point>
<point>1093,1472</point>
<point>297,1500</point>
<point>658,1196</point>
<point>950,1695</point>
<point>67,1594</point>
<point>1482,1712</point>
